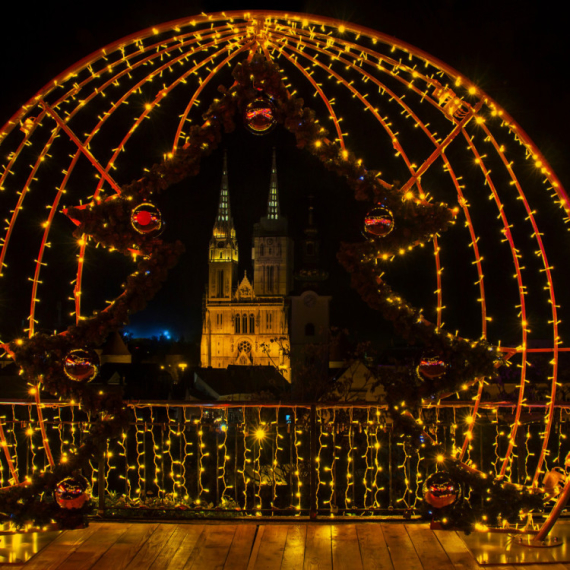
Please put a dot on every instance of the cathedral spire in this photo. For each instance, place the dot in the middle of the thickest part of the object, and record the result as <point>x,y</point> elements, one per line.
<point>273,200</point>
<point>224,225</point>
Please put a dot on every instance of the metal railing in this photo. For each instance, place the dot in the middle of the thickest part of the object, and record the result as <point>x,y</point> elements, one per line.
<point>235,459</point>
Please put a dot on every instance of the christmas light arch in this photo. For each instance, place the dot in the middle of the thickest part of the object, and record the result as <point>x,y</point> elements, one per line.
<point>395,83</point>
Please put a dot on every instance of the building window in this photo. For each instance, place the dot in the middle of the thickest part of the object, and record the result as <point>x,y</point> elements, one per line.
<point>244,324</point>
<point>270,277</point>
<point>251,324</point>
<point>268,321</point>
<point>261,249</point>
<point>221,283</point>
<point>237,323</point>
<point>309,329</point>
<point>221,254</point>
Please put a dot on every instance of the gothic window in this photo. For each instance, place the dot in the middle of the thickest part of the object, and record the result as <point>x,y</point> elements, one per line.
<point>270,250</point>
<point>309,329</point>
<point>237,323</point>
<point>270,277</point>
<point>244,324</point>
<point>251,324</point>
<point>268,321</point>
<point>261,249</point>
<point>244,346</point>
<point>221,254</point>
<point>221,320</point>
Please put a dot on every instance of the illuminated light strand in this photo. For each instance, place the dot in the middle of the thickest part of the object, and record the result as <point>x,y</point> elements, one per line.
<point>225,456</point>
<point>45,441</point>
<point>521,291</point>
<point>155,454</point>
<point>377,468</point>
<point>275,459</point>
<point>201,453</point>
<point>183,448</point>
<point>297,473</point>
<point>7,454</point>
<point>30,432</point>
<point>321,446</point>
<point>168,452</point>
<point>547,269</point>
<point>471,424</point>
<point>366,457</point>
<point>332,498</point>
<point>349,460</point>
<point>140,468</point>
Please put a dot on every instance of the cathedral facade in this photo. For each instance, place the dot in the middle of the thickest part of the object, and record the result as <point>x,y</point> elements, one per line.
<point>246,322</point>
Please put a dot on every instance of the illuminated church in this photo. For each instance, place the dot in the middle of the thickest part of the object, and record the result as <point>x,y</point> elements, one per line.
<point>246,322</point>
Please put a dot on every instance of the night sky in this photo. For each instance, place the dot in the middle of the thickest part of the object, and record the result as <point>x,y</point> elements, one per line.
<point>514,52</point>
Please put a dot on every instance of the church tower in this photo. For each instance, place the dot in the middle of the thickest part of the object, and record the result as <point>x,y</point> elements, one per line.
<point>272,253</point>
<point>223,253</point>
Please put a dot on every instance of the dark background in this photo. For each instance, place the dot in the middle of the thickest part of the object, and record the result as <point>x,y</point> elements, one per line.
<point>515,52</point>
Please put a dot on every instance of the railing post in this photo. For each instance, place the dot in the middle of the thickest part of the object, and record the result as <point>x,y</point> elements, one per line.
<point>101,481</point>
<point>313,464</point>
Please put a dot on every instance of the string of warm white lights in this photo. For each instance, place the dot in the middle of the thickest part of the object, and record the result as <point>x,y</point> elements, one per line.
<point>411,84</point>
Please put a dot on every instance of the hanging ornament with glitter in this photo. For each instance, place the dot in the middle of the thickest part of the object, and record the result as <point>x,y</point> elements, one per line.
<point>81,365</point>
<point>147,220</point>
<point>440,490</point>
<point>259,116</point>
<point>430,367</point>
<point>379,222</point>
<point>72,492</point>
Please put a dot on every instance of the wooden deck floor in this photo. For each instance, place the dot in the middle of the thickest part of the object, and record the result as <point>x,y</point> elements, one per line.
<point>250,546</point>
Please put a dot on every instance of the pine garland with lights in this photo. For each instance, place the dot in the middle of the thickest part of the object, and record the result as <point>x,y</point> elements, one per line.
<point>108,222</point>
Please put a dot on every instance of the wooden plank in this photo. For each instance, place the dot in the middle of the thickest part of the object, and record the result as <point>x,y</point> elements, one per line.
<point>271,547</point>
<point>88,552</point>
<point>179,548</point>
<point>212,550</point>
<point>242,545</point>
<point>318,553</point>
<point>402,551</point>
<point>456,550</point>
<point>152,547</point>
<point>429,551</point>
<point>373,548</point>
<point>294,553</point>
<point>345,548</point>
<point>256,545</point>
<point>61,547</point>
<point>125,548</point>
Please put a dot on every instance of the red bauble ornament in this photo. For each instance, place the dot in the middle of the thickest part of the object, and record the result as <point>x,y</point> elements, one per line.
<point>146,219</point>
<point>440,490</point>
<point>431,367</point>
<point>81,364</point>
<point>73,492</point>
<point>259,116</point>
<point>379,222</point>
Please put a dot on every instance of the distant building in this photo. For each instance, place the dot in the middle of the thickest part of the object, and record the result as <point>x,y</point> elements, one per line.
<point>246,323</point>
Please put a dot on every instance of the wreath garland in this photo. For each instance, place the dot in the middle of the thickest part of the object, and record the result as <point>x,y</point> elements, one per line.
<point>108,222</point>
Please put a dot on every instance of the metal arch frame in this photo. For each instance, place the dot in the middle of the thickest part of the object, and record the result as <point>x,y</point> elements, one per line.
<point>411,51</point>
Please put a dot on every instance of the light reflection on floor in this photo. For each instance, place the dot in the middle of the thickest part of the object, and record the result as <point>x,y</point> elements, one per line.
<point>490,548</point>
<point>19,548</point>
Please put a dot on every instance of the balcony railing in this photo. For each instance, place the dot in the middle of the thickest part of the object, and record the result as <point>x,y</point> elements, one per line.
<point>235,459</point>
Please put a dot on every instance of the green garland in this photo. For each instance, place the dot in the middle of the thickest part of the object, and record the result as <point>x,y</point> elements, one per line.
<point>108,222</point>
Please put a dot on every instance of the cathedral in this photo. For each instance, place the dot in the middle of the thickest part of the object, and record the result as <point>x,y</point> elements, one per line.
<point>246,322</point>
